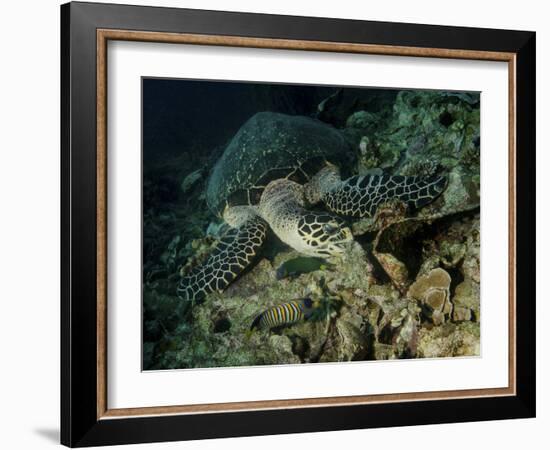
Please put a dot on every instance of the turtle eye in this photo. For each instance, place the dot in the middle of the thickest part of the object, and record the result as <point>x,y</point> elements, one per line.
<point>330,228</point>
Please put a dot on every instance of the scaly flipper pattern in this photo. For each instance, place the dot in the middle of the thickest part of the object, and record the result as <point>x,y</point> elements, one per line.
<point>360,196</point>
<point>232,255</point>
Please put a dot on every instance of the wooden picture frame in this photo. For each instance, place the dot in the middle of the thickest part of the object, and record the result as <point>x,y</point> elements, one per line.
<point>86,418</point>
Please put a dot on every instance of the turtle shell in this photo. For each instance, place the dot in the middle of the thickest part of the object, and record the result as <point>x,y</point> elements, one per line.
<point>267,147</point>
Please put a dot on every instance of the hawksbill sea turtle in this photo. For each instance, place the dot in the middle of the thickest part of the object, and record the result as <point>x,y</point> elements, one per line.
<point>270,176</point>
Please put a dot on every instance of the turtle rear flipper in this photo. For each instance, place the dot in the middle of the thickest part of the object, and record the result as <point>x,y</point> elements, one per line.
<point>360,196</point>
<point>235,251</point>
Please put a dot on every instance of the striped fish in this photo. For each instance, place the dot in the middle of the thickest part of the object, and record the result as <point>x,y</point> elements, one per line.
<point>284,314</point>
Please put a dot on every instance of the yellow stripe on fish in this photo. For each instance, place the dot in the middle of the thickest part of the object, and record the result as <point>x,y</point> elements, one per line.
<point>284,314</point>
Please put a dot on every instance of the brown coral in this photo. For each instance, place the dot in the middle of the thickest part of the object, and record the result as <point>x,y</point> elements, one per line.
<point>433,291</point>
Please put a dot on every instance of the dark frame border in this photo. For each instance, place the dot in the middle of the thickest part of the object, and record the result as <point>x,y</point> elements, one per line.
<point>80,425</point>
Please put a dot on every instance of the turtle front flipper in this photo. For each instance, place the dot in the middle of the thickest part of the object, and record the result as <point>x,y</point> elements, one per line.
<point>235,251</point>
<point>360,196</point>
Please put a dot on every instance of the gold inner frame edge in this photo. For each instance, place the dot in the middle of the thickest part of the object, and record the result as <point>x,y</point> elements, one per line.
<point>103,36</point>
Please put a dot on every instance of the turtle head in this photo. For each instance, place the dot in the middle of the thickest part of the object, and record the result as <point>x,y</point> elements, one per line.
<point>323,235</point>
<point>311,233</point>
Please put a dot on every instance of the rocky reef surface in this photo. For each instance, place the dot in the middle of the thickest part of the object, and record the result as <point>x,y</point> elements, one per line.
<point>407,288</point>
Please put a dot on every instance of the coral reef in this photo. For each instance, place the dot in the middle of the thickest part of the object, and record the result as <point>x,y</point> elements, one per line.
<point>408,286</point>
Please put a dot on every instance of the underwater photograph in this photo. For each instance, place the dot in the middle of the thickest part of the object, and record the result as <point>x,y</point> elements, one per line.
<point>291,224</point>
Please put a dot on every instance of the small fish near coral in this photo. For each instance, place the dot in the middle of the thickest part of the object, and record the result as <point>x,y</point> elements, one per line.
<point>297,266</point>
<point>284,314</point>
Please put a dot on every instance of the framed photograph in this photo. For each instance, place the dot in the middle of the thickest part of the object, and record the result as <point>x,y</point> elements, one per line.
<point>277,224</point>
